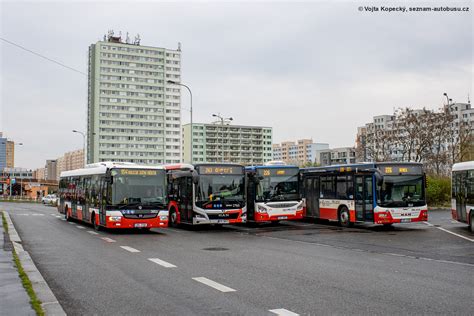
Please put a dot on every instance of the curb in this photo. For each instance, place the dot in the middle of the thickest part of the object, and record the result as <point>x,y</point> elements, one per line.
<point>49,303</point>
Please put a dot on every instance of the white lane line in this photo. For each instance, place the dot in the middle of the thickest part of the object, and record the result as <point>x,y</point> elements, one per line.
<point>63,219</point>
<point>52,214</point>
<point>71,223</point>
<point>92,232</point>
<point>449,232</point>
<point>162,263</point>
<point>37,214</point>
<point>129,249</point>
<point>107,239</point>
<point>214,284</point>
<point>282,312</point>
<point>58,216</point>
<point>81,227</point>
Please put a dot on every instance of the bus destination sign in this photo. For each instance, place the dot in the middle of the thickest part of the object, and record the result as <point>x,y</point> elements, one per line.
<point>401,170</point>
<point>220,170</point>
<point>275,172</point>
<point>137,172</point>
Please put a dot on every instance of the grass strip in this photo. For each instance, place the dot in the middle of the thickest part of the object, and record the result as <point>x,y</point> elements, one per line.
<point>34,301</point>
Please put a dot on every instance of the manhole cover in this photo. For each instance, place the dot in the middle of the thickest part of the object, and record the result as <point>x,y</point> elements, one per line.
<point>215,249</point>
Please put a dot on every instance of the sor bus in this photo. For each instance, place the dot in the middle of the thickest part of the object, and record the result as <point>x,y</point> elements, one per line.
<point>206,194</point>
<point>462,198</point>
<point>380,193</point>
<point>273,193</point>
<point>115,195</point>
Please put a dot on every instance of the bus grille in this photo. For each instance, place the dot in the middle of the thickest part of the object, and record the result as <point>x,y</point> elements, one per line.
<point>223,216</point>
<point>139,216</point>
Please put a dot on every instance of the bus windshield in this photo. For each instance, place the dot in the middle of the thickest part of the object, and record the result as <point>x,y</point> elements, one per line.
<point>401,191</point>
<point>227,187</point>
<point>277,185</point>
<point>133,186</point>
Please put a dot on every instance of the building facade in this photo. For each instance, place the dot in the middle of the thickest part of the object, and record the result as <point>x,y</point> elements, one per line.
<point>336,156</point>
<point>70,161</point>
<point>248,145</point>
<point>134,114</point>
<point>7,153</point>
<point>50,170</point>
<point>301,152</point>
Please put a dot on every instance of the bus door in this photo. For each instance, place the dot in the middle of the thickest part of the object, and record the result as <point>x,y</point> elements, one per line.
<point>251,197</point>
<point>75,196</point>
<point>312,196</point>
<point>461,196</point>
<point>364,198</point>
<point>185,200</point>
<point>103,202</point>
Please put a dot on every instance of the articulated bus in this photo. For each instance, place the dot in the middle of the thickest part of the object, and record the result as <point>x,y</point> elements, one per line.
<point>115,195</point>
<point>273,193</point>
<point>206,194</point>
<point>462,199</point>
<point>380,193</point>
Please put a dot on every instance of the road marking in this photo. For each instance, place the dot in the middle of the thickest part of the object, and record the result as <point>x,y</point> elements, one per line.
<point>71,223</point>
<point>282,312</point>
<point>52,214</point>
<point>92,232</point>
<point>129,249</point>
<point>107,239</point>
<point>58,216</point>
<point>162,263</point>
<point>37,214</point>
<point>214,284</point>
<point>63,219</point>
<point>449,232</point>
<point>80,227</point>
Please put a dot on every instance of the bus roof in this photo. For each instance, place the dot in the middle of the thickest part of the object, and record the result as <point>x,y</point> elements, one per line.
<point>460,166</point>
<point>253,168</point>
<point>102,167</point>
<point>179,166</point>
<point>366,165</point>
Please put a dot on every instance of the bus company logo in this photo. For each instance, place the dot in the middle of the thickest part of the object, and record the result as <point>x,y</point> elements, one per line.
<point>140,215</point>
<point>140,207</point>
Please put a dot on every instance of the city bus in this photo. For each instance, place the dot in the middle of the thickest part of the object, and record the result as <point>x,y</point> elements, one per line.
<point>379,193</point>
<point>115,195</point>
<point>462,198</point>
<point>206,194</point>
<point>273,193</point>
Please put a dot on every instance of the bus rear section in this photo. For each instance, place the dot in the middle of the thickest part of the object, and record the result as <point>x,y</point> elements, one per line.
<point>383,193</point>
<point>462,197</point>
<point>115,196</point>
<point>206,194</point>
<point>273,193</point>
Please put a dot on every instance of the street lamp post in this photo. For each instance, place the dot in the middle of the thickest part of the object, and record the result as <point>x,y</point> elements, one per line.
<point>222,119</point>
<point>191,112</point>
<point>83,143</point>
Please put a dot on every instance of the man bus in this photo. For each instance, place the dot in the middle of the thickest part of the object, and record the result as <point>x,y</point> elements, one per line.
<point>380,193</point>
<point>462,198</point>
<point>206,194</point>
<point>115,195</point>
<point>273,193</point>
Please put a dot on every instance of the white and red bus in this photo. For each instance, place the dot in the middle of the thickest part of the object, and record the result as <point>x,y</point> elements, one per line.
<point>462,199</point>
<point>379,193</point>
<point>273,193</point>
<point>206,194</point>
<point>115,195</point>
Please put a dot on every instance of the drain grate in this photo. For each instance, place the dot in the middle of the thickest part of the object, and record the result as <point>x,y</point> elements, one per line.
<point>215,249</point>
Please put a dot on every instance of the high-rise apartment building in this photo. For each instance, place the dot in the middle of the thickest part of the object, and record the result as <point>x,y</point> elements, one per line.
<point>248,145</point>
<point>70,161</point>
<point>134,114</point>
<point>7,153</point>
<point>299,153</point>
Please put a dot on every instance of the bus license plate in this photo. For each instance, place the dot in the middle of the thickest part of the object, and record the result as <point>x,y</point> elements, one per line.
<point>282,217</point>
<point>405,220</point>
<point>222,221</point>
<point>140,225</point>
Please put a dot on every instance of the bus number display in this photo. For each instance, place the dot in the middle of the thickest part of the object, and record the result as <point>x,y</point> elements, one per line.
<point>220,170</point>
<point>133,172</point>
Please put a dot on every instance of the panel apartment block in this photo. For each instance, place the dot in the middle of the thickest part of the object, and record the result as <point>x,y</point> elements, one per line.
<point>134,115</point>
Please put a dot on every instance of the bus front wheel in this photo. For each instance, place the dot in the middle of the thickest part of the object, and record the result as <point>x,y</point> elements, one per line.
<point>173,219</point>
<point>94,223</point>
<point>471,222</point>
<point>344,219</point>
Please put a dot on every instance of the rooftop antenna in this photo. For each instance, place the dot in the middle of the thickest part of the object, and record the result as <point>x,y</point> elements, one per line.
<point>179,46</point>
<point>137,40</point>
<point>468,100</point>
<point>127,40</point>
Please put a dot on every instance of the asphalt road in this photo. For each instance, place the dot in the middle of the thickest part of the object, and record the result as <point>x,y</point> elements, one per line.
<point>299,267</point>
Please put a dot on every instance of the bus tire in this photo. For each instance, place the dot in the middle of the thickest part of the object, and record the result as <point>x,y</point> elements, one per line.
<point>471,221</point>
<point>344,219</point>
<point>173,219</point>
<point>95,224</point>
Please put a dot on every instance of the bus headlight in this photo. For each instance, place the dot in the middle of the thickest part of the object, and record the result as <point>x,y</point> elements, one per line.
<point>261,209</point>
<point>115,218</point>
<point>164,217</point>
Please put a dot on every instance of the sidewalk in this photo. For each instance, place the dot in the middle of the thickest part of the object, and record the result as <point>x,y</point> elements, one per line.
<point>13,297</point>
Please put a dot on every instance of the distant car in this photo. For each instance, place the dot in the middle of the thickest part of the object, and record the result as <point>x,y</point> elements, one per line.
<point>50,199</point>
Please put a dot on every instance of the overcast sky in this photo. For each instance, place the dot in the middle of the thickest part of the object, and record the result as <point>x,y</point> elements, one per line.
<point>310,70</point>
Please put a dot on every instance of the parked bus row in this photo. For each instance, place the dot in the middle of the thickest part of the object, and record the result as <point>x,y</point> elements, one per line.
<point>127,195</point>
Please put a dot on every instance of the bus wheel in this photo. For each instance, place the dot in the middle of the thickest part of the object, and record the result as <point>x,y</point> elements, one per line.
<point>94,223</point>
<point>173,219</point>
<point>344,219</point>
<point>471,222</point>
